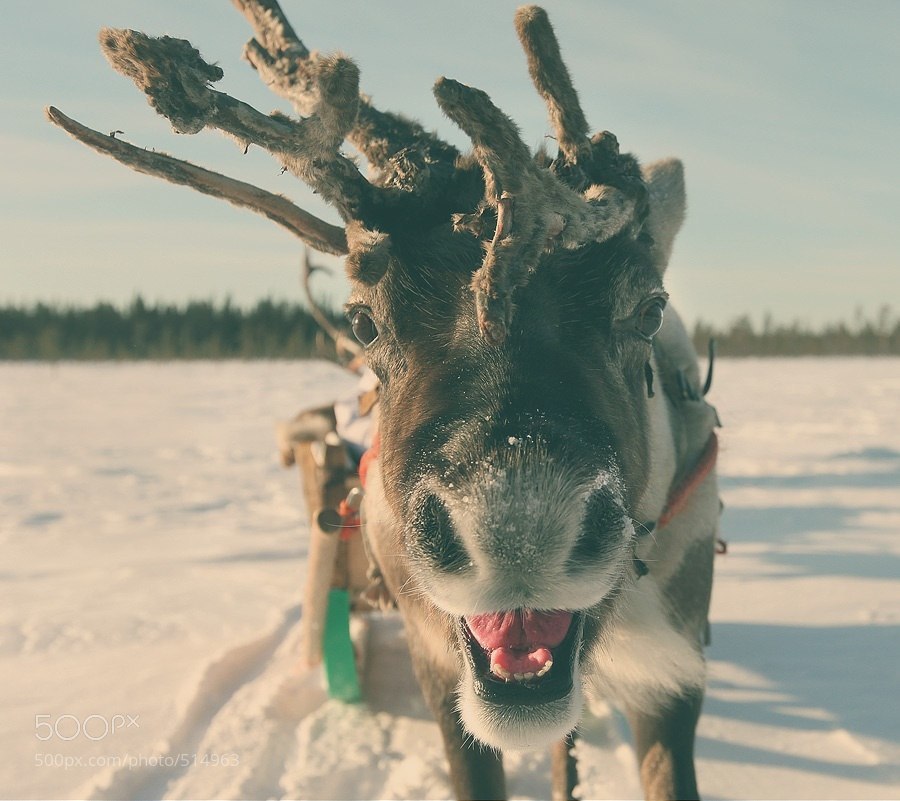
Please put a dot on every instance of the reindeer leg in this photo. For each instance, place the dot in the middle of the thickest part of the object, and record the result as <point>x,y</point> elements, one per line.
<point>564,769</point>
<point>664,740</point>
<point>476,771</point>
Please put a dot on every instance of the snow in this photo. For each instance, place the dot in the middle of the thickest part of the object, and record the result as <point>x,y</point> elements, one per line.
<point>154,557</point>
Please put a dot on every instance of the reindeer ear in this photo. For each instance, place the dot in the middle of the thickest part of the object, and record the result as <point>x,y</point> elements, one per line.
<point>665,182</point>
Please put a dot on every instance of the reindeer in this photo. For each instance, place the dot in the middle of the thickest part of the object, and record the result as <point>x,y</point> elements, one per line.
<point>543,507</point>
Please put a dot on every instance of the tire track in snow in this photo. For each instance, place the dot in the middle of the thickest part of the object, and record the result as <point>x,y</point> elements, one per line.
<point>261,724</point>
<point>388,746</point>
<point>220,682</point>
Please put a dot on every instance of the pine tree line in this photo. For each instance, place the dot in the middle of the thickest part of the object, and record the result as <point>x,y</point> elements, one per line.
<point>863,337</point>
<point>198,330</point>
<point>270,330</point>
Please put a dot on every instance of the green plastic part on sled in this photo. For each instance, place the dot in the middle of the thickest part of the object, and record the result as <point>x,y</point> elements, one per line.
<point>337,649</point>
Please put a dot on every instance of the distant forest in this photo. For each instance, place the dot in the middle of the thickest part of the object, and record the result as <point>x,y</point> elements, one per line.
<point>197,330</point>
<point>864,336</point>
<point>270,330</point>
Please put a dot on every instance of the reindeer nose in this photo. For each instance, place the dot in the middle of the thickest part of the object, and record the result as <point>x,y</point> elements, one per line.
<point>601,529</point>
<point>435,538</point>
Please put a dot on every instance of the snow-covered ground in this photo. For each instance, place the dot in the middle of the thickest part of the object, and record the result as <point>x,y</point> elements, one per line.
<point>153,558</point>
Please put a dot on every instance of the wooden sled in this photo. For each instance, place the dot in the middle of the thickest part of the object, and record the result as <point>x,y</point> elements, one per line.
<point>340,583</point>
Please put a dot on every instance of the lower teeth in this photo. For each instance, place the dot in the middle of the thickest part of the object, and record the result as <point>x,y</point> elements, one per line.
<point>504,674</point>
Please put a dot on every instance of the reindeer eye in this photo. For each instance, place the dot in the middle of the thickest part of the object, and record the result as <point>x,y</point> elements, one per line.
<point>649,318</point>
<point>363,327</point>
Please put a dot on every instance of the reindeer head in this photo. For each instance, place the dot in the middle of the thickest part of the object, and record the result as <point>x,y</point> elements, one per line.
<point>509,316</point>
<point>507,302</point>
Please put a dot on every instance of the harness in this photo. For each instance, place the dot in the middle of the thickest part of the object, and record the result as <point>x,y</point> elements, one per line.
<point>376,593</point>
<point>682,491</point>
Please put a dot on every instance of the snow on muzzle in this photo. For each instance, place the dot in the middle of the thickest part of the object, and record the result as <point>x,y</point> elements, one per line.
<point>522,656</point>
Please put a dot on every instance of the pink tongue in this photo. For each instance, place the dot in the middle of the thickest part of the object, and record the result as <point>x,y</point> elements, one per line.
<point>523,630</point>
<point>519,642</point>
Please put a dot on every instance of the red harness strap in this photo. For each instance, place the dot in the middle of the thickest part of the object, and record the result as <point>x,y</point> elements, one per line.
<point>350,516</point>
<point>368,457</point>
<point>681,493</point>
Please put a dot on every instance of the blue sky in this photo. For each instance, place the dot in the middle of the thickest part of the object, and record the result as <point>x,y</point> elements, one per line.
<point>786,114</point>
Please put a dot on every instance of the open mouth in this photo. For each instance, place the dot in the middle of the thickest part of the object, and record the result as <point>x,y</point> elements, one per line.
<point>522,656</point>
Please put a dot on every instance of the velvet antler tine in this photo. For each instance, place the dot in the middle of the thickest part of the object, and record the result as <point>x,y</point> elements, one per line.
<point>508,168</point>
<point>337,78</point>
<point>315,232</point>
<point>341,341</point>
<point>498,144</point>
<point>272,28</point>
<point>551,79</point>
<point>177,81</point>
<point>279,56</point>
<point>505,267</point>
<point>288,68</point>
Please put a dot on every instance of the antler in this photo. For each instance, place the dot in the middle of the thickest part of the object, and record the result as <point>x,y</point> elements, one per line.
<point>548,212</point>
<point>404,153</point>
<point>177,82</point>
<point>588,193</point>
<point>325,90</point>
<point>551,79</point>
<point>317,233</point>
<point>342,343</point>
